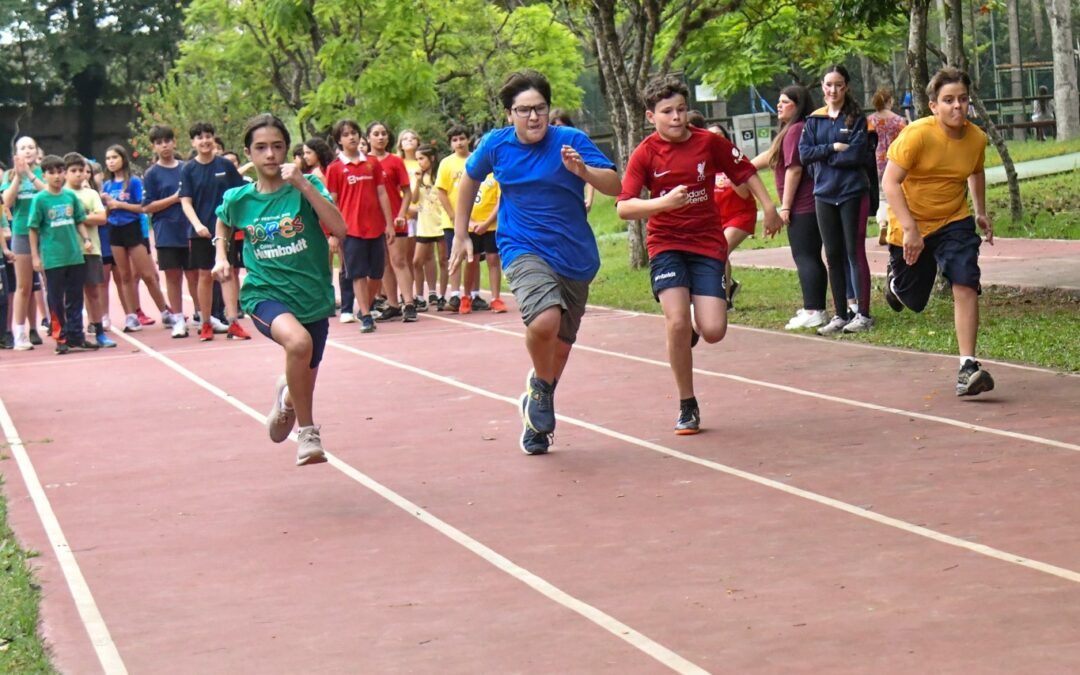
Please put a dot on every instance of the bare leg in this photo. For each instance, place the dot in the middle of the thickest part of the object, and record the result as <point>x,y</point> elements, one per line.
<point>291,334</point>
<point>444,267</point>
<point>542,341</point>
<point>205,297</point>
<point>734,237</point>
<point>125,284</point>
<point>494,274</point>
<point>676,305</point>
<point>362,288</point>
<point>24,280</point>
<point>966,318</point>
<point>174,288</point>
<point>399,264</point>
<point>143,265</point>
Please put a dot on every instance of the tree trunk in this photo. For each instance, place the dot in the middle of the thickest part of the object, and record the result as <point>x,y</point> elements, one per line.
<point>916,56</point>
<point>1066,98</point>
<point>1015,75</point>
<point>954,46</point>
<point>1037,22</point>
<point>88,84</point>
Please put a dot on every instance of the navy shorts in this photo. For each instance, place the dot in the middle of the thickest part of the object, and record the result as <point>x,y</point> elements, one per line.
<point>679,269</point>
<point>268,310</point>
<point>201,254</point>
<point>236,253</point>
<point>172,258</point>
<point>364,258</point>
<point>954,249</point>
<point>484,243</point>
<point>448,239</point>
<point>126,236</point>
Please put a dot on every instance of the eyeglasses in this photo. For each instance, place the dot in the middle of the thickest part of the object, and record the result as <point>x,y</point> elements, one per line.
<point>526,111</point>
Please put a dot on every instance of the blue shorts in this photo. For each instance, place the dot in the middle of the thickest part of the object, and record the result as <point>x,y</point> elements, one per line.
<point>954,249</point>
<point>268,310</point>
<point>363,258</point>
<point>678,269</point>
<point>448,239</point>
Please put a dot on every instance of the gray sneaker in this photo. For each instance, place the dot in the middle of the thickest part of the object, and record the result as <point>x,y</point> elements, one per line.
<point>833,327</point>
<point>311,449</point>
<point>973,380</point>
<point>860,324</point>
<point>280,420</point>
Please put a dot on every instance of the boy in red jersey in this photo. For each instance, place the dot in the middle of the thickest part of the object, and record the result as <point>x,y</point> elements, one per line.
<point>687,250</point>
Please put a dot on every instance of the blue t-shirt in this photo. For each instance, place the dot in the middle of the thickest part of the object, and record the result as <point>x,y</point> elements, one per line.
<point>170,225</point>
<point>206,184</point>
<point>132,195</point>
<point>542,206</point>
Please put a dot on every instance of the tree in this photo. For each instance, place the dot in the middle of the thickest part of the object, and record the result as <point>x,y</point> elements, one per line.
<point>1066,98</point>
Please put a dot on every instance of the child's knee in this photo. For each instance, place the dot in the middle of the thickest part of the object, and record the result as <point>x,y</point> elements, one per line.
<point>713,334</point>
<point>298,343</point>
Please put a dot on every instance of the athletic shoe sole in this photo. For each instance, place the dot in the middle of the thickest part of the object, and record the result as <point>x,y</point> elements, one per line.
<point>979,383</point>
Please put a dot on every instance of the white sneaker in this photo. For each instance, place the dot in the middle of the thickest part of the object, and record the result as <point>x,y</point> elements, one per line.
<point>106,322</point>
<point>347,317</point>
<point>219,326</point>
<point>22,343</point>
<point>806,319</point>
<point>131,324</point>
<point>860,324</point>
<point>311,449</point>
<point>179,327</point>
<point>833,327</point>
<point>167,319</point>
<point>280,420</point>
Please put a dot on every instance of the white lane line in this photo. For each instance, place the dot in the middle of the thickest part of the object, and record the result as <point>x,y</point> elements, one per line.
<point>903,525</point>
<point>91,617</point>
<point>612,625</point>
<point>805,392</point>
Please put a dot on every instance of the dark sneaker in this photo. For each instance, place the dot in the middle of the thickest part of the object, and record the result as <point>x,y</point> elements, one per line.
<point>62,348</point>
<point>421,305</point>
<point>35,339</point>
<point>689,421</point>
<point>890,297</point>
<point>453,304</point>
<point>480,305</point>
<point>440,305</point>
<point>390,313</point>
<point>367,324</point>
<point>533,443</point>
<point>381,303</point>
<point>735,286</point>
<point>538,406</point>
<point>83,346</point>
<point>7,341</point>
<point>433,299</point>
<point>973,380</point>
<point>408,314</point>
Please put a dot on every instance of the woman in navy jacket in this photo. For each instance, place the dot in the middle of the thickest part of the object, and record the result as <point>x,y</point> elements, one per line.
<point>834,147</point>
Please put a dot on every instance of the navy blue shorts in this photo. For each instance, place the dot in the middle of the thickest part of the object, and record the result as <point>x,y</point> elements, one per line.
<point>363,258</point>
<point>448,239</point>
<point>954,249</point>
<point>678,269</point>
<point>128,235</point>
<point>484,243</point>
<point>268,310</point>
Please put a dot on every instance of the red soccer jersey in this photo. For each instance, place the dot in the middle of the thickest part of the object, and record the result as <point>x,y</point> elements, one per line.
<point>397,177</point>
<point>356,186</point>
<point>735,211</point>
<point>661,166</point>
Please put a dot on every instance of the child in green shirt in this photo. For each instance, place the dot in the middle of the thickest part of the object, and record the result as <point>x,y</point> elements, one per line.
<point>58,242</point>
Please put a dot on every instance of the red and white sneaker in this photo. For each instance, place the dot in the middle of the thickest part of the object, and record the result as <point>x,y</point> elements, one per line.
<point>143,319</point>
<point>206,333</point>
<point>236,332</point>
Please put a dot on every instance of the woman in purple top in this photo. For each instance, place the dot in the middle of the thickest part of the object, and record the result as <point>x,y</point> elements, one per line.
<point>795,189</point>
<point>888,126</point>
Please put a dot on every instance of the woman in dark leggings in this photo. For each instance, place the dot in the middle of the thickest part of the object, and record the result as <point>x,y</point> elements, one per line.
<point>834,146</point>
<point>795,188</point>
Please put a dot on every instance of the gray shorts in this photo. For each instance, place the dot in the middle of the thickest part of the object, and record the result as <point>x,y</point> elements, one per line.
<point>537,287</point>
<point>20,244</point>
<point>95,271</point>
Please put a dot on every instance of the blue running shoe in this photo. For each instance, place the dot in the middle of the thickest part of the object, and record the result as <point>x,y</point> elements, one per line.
<point>103,341</point>
<point>538,406</point>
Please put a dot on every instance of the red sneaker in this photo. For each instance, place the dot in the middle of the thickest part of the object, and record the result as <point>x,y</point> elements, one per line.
<point>143,319</point>
<point>466,305</point>
<point>498,306</point>
<point>236,332</point>
<point>206,333</point>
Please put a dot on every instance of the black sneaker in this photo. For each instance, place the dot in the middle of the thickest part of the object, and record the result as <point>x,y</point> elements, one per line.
<point>453,304</point>
<point>367,324</point>
<point>533,443</point>
<point>480,305</point>
<point>890,297</point>
<point>390,313</point>
<point>421,305</point>
<point>538,405</point>
<point>972,380</point>
<point>82,346</point>
<point>62,348</point>
<point>7,341</point>
<point>408,315</point>
<point>440,305</point>
<point>689,421</point>
<point>381,304</point>
<point>433,299</point>
<point>35,339</point>
<point>735,286</point>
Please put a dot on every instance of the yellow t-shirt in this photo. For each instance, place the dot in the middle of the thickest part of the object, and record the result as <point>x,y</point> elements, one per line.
<point>428,210</point>
<point>91,202</point>
<point>937,171</point>
<point>451,169</point>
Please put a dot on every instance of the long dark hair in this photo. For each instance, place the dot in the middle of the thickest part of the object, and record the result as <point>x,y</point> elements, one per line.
<point>321,149</point>
<point>432,154</point>
<point>850,109</point>
<point>125,166</point>
<point>800,96</point>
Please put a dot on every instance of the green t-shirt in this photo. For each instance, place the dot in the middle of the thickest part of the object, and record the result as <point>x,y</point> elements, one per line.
<point>21,213</point>
<point>55,218</point>
<point>285,251</point>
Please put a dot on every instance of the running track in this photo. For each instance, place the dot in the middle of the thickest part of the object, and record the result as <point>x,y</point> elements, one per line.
<point>843,512</point>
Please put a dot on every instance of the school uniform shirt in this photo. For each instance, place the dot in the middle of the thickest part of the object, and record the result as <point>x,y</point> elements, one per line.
<point>55,218</point>
<point>206,184</point>
<point>170,225</point>
<point>285,252</point>
<point>838,176</point>
<point>355,185</point>
<point>129,194</point>
<point>660,166</point>
<point>428,210</point>
<point>91,203</point>
<point>937,171</point>
<point>21,211</point>
<point>541,204</point>
<point>789,157</point>
<point>395,178</point>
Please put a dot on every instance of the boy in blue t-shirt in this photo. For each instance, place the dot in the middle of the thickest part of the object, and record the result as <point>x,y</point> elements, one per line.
<point>548,250</point>
<point>58,242</point>
<point>161,199</point>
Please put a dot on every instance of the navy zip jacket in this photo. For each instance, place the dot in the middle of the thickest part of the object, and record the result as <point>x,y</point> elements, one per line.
<point>838,176</point>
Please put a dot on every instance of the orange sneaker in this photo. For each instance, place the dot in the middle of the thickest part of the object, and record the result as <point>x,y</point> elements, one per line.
<point>498,306</point>
<point>206,333</point>
<point>466,305</point>
<point>236,332</point>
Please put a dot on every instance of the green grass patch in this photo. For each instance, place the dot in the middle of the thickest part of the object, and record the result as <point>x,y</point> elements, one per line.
<point>21,649</point>
<point>1036,330</point>
<point>1051,208</point>
<point>1024,151</point>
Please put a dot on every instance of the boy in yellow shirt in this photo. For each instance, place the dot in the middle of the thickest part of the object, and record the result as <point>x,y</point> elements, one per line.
<point>934,164</point>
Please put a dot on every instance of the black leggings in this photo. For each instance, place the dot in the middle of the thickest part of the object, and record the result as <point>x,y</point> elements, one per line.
<point>843,232</point>
<point>805,241</point>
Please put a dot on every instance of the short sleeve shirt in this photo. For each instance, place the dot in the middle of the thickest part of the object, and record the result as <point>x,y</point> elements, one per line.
<point>170,225</point>
<point>541,204</point>
<point>395,178</point>
<point>937,171</point>
<point>55,218</point>
<point>447,177</point>
<point>355,185</point>
<point>285,252</point>
<point>206,184</point>
<point>131,193</point>
<point>21,211</point>
<point>428,210</point>
<point>660,166</point>
<point>789,157</point>
<point>91,202</point>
